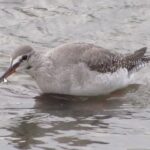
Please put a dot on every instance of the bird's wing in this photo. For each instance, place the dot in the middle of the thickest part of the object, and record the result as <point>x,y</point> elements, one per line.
<point>103,61</point>
<point>90,54</point>
<point>97,58</point>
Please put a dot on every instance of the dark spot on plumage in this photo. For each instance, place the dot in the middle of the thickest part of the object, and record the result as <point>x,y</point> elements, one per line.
<point>29,67</point>
<point>24,57</point>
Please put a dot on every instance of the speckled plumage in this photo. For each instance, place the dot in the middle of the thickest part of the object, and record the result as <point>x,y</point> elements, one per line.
<point>110,62</point>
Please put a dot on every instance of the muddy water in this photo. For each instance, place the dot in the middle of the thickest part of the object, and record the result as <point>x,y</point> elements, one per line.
<point>29,120</point>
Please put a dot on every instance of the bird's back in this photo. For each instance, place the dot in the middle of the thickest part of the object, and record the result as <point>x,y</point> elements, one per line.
<point>80,52</point>
<point>87,69</point>
<point>96,57</point>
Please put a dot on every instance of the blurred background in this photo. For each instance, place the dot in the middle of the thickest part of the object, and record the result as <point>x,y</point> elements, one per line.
<point>29,120</point>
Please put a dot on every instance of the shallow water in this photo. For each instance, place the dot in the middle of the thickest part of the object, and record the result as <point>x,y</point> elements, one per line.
<point>30,120</point>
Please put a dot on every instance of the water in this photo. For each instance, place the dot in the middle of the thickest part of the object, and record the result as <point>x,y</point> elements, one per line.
<point>29,120</point>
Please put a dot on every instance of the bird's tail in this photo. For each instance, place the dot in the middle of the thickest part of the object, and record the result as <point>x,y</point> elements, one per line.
<point>137,60</point>
<point>137,55</point>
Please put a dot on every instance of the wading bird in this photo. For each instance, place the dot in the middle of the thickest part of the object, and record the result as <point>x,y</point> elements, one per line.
<point>78,68</point>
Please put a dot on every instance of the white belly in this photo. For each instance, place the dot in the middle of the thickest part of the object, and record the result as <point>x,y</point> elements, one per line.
<point>100,84</point>
<point>79,80</point>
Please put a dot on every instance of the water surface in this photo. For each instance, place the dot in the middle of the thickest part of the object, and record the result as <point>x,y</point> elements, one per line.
<point>29,120</point>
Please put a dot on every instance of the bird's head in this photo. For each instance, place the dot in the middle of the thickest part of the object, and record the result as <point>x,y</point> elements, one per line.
<point>19,60</point>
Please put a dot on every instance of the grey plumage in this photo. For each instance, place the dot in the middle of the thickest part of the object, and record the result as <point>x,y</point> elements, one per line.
<point>95,57</point>
<point>98,58</point>
<point>110,62</point>
<point>79,68</point>
<point>23,50</point>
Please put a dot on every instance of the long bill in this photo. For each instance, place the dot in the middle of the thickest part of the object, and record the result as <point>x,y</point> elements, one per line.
<point>10,71</point>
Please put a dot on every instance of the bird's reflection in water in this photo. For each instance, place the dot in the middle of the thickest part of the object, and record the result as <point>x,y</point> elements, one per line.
<point>61,118</point>
<point>76,106</point>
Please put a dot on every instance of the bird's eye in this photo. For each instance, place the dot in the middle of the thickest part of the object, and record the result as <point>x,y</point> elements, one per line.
<point>24,57</point>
